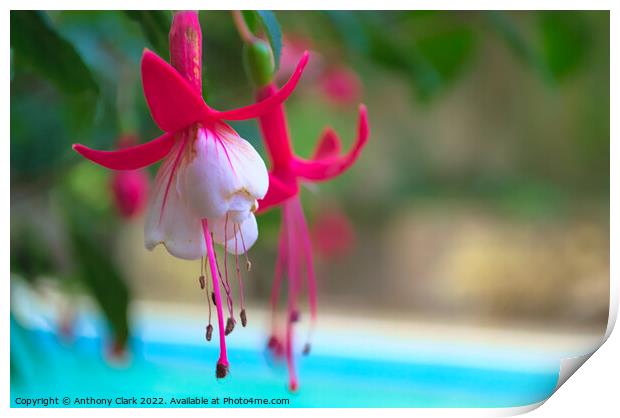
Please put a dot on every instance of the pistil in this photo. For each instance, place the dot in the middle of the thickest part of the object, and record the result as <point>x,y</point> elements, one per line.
<point>222,363</point>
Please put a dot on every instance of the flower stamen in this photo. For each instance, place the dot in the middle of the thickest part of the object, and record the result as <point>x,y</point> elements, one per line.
<point>248,263</point>
<point>310,276</point>
<point>242,313</point>
<point>201,279</point>
<point>203,266</point>
<point>230,323</point>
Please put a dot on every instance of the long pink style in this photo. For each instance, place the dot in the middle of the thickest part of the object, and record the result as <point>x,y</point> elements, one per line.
<point>222,363</point>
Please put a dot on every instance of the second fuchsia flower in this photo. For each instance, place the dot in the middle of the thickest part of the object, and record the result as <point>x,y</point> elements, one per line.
<point>211,179</point>
<point>295,259</point>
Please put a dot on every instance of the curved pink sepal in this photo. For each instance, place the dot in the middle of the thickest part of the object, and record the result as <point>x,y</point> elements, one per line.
<point>279,191</point>
<point>173,103</point>
<point>266,105</point>
<point>329,167</point>
<point>130,158</point>
<point>329,145</point>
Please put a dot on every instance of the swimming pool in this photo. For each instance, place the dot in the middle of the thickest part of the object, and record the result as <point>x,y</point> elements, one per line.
<point>169,358</point>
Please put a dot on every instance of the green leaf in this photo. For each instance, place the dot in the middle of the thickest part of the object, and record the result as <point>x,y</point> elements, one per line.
<point>448,52</point>
<point>40,140</point>
<point>350,30</point>
<point>155,25</point>
<point>408,60</point>
<point>565,41</point>
<point>38,45</point>
<point>510,33</point>
<point>274,35</point>
<point>30,256</point>
<point>99,274</point>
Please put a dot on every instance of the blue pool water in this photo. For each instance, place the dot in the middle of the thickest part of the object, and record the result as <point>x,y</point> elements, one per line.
<point>43,365</point>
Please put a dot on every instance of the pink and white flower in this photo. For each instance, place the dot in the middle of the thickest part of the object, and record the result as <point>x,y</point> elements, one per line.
<point>211,179</point>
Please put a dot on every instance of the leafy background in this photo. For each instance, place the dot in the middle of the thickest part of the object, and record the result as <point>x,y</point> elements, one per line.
<point>483,194</point>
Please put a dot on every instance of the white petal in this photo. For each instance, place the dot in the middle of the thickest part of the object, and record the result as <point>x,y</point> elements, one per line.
<point>249,166</point>
<point>224,173</point>
<point>179,229</point>
<point>245,233</point>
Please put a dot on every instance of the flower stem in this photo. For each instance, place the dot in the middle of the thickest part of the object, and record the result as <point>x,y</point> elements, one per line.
<point>222,363</point>
<point>274,130</point>
<point>245,32</point>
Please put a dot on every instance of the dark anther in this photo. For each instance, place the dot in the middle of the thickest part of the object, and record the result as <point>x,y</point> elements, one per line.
<point>209,332</point>
<point>221,370</point>
<point>201,280</point>
<point>244,318</point>
<point>294,316</point>
<point>213,298</point>
<point>230,325</point>
<point>306,350</point>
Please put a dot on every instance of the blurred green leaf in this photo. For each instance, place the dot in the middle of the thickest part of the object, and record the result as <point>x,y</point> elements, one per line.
<point>30,257</point>
<point>565,41</point>
<point>274,35</point>
<point>350,29</point>
<point>387,52</point>
<point>448,52</point>
<point>37,44</point>
<point>98,273</point>
<point>41,148</point>
<point>155,25</point>
<point>510,33</point>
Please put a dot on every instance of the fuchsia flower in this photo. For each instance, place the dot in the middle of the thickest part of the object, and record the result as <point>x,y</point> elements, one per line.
<point>333,233</point>
<point>295,249</point>
<point>341,85</point>
<point>209,183</point>
<point>130,187</point>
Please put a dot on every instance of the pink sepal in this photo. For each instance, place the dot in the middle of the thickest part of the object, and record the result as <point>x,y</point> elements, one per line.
<point>266,105</point>
<point>130,158</point>
<point>329,145</point>
<point>329,167</point>
<point>174,105</point>
<point>279,191</point>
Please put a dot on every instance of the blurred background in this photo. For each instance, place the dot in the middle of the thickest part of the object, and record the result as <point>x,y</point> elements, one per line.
<point>481,199</point>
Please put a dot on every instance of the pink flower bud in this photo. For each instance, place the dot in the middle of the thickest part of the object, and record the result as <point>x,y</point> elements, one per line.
<point>130,188</point>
